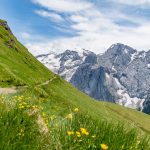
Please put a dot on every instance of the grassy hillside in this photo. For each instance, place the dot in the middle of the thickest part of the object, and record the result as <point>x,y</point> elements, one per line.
<point>17,65</point>
<point>56,115</point>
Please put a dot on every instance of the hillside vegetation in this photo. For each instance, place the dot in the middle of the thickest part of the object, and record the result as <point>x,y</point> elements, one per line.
<point>17,65</point>
<point>54,114</point>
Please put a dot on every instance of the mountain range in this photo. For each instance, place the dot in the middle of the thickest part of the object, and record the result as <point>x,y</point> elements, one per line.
<point>120,75</point>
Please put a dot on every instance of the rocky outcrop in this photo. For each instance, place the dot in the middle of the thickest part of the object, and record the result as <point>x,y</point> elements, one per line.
<point>5,25</point>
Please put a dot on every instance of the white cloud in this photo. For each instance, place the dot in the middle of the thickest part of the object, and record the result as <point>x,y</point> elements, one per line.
<point>78,18</point>
<point>37,48</point>
<point>50,15</point>
<point>95,30</point>
<point>133,2</point>
<point>64,5</point>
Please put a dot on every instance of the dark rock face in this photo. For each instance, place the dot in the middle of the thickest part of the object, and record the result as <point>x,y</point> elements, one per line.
<point>146,104</point>
<point>93,82</point>
<point>91,59</point>
<point>120,75</point>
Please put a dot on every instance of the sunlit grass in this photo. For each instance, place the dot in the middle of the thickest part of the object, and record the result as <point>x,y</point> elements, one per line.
<point>25,125</point>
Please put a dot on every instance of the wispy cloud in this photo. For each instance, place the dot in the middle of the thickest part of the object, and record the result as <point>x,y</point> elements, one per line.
<point>50,15</point>
<point>64,5</point>
<point>94,29</point>
<point>133,2</point>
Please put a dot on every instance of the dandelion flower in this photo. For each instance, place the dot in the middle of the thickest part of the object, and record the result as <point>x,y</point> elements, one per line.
<point>78,134</point>
<point>70,132</point>
<point>84,131</point>
<point>104,146</point>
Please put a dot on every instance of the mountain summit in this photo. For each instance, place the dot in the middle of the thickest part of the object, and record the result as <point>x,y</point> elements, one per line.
<point>120,75</point>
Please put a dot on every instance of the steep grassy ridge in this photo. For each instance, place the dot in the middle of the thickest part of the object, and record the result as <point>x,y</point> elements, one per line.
<point>17,65</point>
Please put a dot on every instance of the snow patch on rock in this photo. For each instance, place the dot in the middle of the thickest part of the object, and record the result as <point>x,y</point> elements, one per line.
<point>51,62</point>
<point>128,101</point>
<point>148,65</point>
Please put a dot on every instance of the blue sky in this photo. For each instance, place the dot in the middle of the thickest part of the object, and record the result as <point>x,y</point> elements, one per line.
<point>44,25</point>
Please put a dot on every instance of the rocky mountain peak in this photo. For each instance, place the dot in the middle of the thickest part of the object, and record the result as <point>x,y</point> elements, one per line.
<point>69,54</point>
<point>117,57</point>
<point>121,49</point>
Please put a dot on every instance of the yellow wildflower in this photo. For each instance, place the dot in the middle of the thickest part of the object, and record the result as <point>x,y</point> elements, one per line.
<point>70,132</point>
<point>76,110</point>
<point>21,106</point>
<point>78,134</point>
<point>84,131</point>
<point>104,146</point>
<point>69,116</point>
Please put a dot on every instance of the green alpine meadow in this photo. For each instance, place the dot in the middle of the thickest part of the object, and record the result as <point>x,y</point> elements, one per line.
<point>41,111</point>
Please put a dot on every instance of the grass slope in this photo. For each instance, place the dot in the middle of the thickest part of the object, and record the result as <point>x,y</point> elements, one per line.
<point>17,65</point>
<point>97,109</point>
<point>57,98</point>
